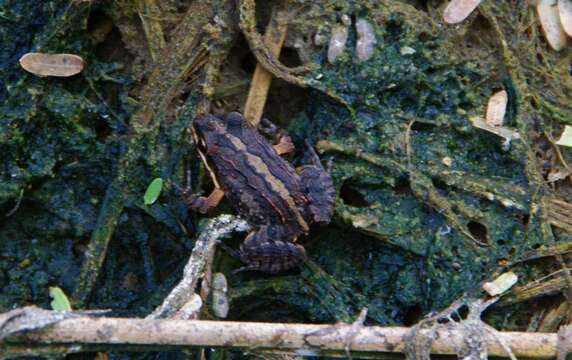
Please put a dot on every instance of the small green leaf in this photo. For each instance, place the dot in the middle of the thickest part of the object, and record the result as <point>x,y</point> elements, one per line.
<point>566,137</point>
<point>60,301</point>
<point>153,191</point>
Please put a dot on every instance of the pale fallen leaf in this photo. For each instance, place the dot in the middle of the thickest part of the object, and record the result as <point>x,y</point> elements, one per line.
<point>337,43</point>
<point>558,174</point>
<point>566,137</point>
<point>500,284</point>
<point>458,10</point>
<point>366,39</point>
<point>565,11</point>
<point>496,108</point>
<point>550,21</point>
<point>220,303</point>
<point>447,161</point>
<point>62,65</point>
<point>507,133</point>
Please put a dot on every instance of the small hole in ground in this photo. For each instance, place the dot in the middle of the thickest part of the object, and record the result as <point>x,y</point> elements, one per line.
<point>403,186</point>
<point>421,126</point>
<point>352,197</point>
<point>289,57</point>
<point>412,315</point>
<point>479,231</point>
<point>525,219</point>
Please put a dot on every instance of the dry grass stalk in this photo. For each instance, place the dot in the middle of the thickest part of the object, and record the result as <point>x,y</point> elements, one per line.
<point>558,213</point>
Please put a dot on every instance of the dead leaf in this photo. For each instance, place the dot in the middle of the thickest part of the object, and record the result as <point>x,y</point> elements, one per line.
<point>565,11</point>
<point>62,65</point>
<point>507,133</point>
<point>558,174</point>
<point>458,10</point>
<point>500,284</point>
<point>566,137</point>
<point>550,21</point>
<point>496,108</point>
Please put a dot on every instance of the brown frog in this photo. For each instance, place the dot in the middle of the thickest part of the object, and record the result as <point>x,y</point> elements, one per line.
<point>279,201</point>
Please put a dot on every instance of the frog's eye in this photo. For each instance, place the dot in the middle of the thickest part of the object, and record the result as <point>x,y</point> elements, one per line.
<point>206,123</point>
<point>234,119</point>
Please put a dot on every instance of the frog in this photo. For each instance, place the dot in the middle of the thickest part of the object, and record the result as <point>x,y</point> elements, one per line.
<point>279,202</point>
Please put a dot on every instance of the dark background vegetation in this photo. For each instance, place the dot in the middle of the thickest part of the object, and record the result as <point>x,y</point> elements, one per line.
<point>410,234</point>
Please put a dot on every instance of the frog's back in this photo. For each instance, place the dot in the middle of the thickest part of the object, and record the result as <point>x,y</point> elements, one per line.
<point>261,185</point>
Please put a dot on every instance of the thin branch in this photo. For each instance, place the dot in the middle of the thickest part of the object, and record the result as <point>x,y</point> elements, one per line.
<point>273,38</point>
<point>86,333</point>
<point>202,252</point>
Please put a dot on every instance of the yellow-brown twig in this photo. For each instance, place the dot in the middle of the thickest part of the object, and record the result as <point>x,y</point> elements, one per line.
<point>273,38</point>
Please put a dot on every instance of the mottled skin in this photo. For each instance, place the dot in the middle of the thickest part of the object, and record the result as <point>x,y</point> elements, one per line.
<point>266,190</point>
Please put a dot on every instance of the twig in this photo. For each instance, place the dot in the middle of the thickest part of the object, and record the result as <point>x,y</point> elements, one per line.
<point>203,250</point>
<point>87,334</point>
<point>273,38</point>
<point>267,60</point>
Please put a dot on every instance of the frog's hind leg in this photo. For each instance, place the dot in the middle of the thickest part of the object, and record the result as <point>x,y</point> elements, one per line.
<point>284,144</point>
<point>269,250</point>
<point>318,186</point>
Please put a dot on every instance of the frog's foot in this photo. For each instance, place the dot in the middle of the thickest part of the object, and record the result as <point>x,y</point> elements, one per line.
<point>204,204</point>
<point>266,250</point>
<point>284,144</point>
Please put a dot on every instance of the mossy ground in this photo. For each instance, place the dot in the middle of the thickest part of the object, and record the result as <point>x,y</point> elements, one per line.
<point>433,208</point>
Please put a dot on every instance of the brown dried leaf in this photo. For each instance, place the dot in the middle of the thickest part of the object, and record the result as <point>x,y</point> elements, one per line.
<point>458,10</point>
<point>62,65</point>
<point>565,11</point>
<point>496,108</point>
<point>550,21</point>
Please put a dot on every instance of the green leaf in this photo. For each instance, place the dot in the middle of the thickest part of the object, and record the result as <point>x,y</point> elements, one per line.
<point>566,137</point>
<point>60,301</point>
<point>153,191</point>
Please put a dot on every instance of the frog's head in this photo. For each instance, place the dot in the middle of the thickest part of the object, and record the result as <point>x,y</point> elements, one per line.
<point>203,126</point>
<point>208,124</point>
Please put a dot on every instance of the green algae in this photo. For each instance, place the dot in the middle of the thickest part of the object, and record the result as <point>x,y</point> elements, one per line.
<point>411,170</point>
<point>429,206</point>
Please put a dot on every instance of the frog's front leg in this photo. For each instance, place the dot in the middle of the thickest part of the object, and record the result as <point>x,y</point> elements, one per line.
<point>284,144</point>
<point>204,204</point>
<point>270,249</point>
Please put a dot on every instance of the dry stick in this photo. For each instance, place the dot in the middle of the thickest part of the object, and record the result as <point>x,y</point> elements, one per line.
<point>87,334</point>
<point>273,38</point>
<point>265,58</point>
<point>204,248</point>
